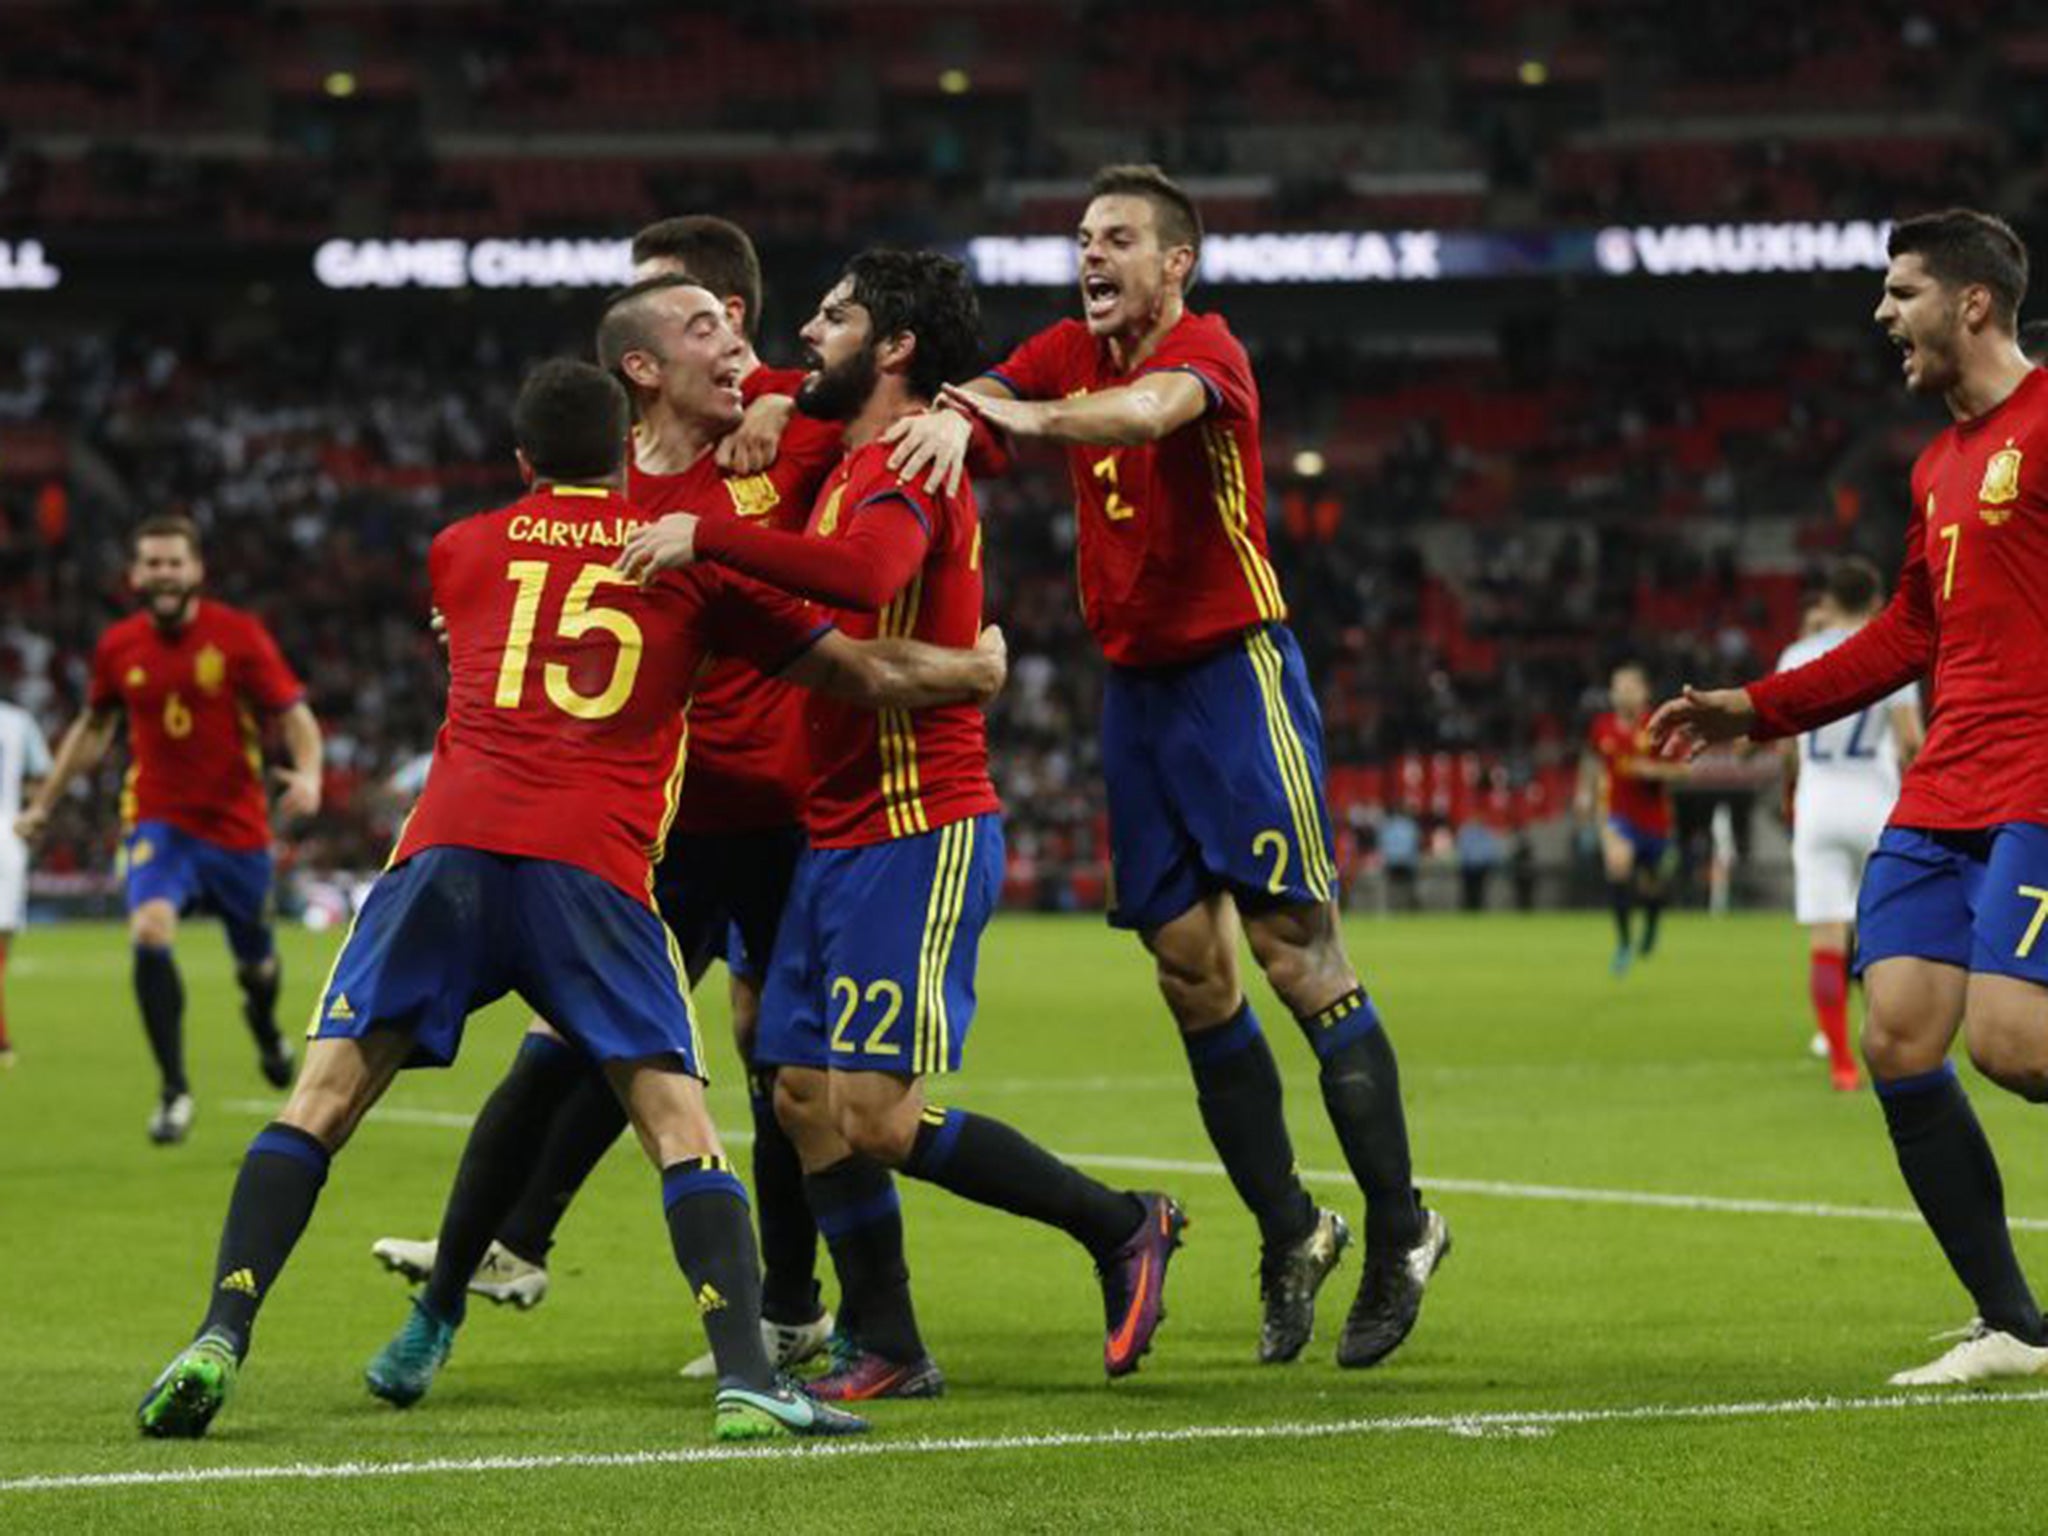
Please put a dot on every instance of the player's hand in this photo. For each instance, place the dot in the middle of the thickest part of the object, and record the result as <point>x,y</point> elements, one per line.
<point>660,546</point>
<point>1019,418</point>
<point>994,653</point>
<point>751,446</point>
<point>1700,718</point>
<point>31,824</point>
<point>438,623</point>
<point>299,793</point>
<point>931,440</point>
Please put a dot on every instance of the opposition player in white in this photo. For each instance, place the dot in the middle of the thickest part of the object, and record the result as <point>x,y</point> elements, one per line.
<point>1845,778</point>
<point>24,756</point>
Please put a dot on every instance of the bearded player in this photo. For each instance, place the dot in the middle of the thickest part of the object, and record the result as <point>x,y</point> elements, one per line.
<point>1954,901</point>
<point>1211,741</point>
<point>525,867</point>
<point>195,680</point>
<point>871,992</point>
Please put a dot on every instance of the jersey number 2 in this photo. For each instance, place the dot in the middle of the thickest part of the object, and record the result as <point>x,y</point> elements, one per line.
<point>578,619</point>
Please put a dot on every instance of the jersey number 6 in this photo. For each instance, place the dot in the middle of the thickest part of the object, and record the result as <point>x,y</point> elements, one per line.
<point>578,619</point>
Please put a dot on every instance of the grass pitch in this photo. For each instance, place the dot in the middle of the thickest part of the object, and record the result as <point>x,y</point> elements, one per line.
<point>1683,1270</point>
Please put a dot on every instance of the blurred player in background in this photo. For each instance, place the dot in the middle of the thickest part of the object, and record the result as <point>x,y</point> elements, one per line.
<point>679,339</point>
<point>1624,790</point>
<point>194,678</point>
<point>872,988</point>
<point>526,868</point>
<point>1950,922</point>
<point>2034,342</point>
<point>1844,779</point>
<point>1211,741</point>
<point>24,761</point>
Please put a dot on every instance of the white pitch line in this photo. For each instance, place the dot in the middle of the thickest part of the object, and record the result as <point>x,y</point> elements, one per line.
<point>1568,1194</point>
<point>1505,1422</point>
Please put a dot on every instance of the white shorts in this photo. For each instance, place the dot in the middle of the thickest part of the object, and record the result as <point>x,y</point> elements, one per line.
<point>1830,844</point>
<point>13,882</point>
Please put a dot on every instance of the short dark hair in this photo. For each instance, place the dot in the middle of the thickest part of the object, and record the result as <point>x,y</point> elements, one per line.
<point>1854,585</point>
<point>1964,247</point>
<point>165,525</point>
<point>2034,341</point>
<point>714,252</point>
<point>571,420</point>
<point>1172,209</point>
<point>929,296</point>
<point>627,324</point>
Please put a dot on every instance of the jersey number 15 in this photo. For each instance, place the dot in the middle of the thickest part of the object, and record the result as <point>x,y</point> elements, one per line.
<point>578,618</point>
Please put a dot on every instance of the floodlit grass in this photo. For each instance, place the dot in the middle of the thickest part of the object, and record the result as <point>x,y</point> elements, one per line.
<point>1526,1065</point>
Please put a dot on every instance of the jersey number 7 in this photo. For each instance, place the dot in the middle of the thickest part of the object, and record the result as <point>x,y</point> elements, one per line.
<point>578,619</point>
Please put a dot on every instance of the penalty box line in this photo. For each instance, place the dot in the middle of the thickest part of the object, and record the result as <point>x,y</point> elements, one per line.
<point>1507,1423</point>
<point>1567,1194</point>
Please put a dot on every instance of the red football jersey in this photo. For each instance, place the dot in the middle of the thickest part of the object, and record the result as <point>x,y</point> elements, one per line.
<point>1646,803</point>
<point>747,766</point>
<point>568,685</point>
<point>194,742</point>
<point>1972,605</point>
<point>1173,556</point>
<point>884,774</point>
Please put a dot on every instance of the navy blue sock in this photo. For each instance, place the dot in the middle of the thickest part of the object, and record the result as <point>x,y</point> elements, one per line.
<point>1237,1089</point>
<point>1621,899</point>
<point>498,1162</point>
<point>1954,1178</point>
<point>1361,1084</point>
<point>274,1196</point>
<point>861,1220</point>
<point>161,996</point>
<point>580,1123</point>
<point>260,982</point>
<point>986,1161</point>
<point>713,1237</point>
<point>789,1237</point>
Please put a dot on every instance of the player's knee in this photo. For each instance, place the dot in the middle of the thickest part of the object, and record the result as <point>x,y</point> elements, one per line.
<point>800,1102</point>
<point>2012,1050</point>
<point>885,1133</point>
<point>154,925</point>
<point>1892,1051</point>
<point>1302,958</point>
<point>1197,978</point>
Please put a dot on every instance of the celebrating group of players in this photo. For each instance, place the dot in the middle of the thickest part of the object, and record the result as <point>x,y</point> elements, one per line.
<point>778,577</point>
<point>702,538</point>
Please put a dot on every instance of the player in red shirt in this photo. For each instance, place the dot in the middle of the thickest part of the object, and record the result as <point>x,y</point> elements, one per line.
<point>1954,900</point>
<point>195,679</point>
<point>678,338</point>
<point>1624,789</point>
<point>1212,741</point>
<point>527,867</point>
<point>871,989</point>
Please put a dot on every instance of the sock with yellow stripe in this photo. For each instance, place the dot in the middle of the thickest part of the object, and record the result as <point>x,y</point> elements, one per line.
<point>861,1220</point>
<point>713,1237</point>
<point>274,1196</point>
<point>1237,1089</point>
<point>1361,1084</point>
<point>990,1163</point>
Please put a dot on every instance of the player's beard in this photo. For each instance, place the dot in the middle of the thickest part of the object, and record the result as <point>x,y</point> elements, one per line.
<point>838,393</point>
<point>169,605</point>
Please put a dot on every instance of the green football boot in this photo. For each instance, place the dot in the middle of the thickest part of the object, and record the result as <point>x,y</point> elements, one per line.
<point>740,1413</point>
<point>182,1401</point>
<point>405,1368</point>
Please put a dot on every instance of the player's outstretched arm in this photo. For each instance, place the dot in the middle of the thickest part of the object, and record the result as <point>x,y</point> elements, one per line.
<point>85,742</point>
<point>300,783</point>
<point>1142,411</point>
<point>940,443</point>
<point>1699,718</point>
<point>903,674</point>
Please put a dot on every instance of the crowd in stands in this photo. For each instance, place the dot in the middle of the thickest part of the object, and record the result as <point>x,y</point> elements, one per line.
<point>828,121</point>
<point>1485,536</point>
